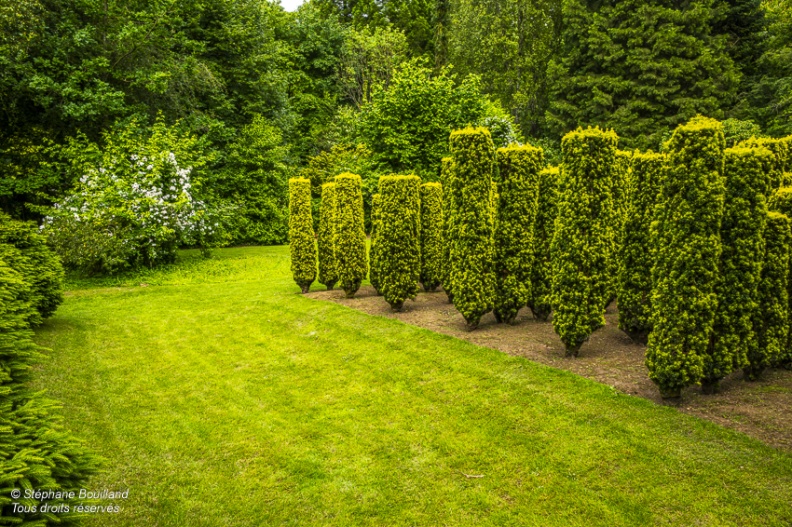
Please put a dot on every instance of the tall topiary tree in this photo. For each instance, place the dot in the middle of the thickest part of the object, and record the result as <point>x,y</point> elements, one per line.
<point>583,240</point>
<point>519,168</point>
<point>782,202</point>
<point>472,252</point>
<point>328,267</point>
<point>635,253</point>
<point>541,270</point>
<point>742,238</point>
<point>351,233</point>
<point>399,238</point>
<point>772,327</point>
<point>375,264</point>
<point>302,241</point>
<point>782,158</point>
<point>431,235</point>
<point>686,236</point>
<point>450,188</point>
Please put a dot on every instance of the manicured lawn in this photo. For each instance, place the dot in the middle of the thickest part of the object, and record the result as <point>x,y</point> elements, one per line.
<point>220,397</point>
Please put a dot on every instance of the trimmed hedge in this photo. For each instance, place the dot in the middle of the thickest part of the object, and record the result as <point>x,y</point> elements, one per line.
<point>782,202</point>
<point>782,157</point>
<point>583,241</point>
<point>431,235</point>
<point>622,174</point>
<point>374,260</point>
<point>541,270</point>
<point>773,321</point>
<point>39,265</point>
<point>686,236</point>
<point>302,242</point>
<point>519,168</point>
<point>450,187</point>
<point>350,233</point>
<point>472,252</point>
<point>328,267</point>
<point>742,238</point>
<point>635,253</point>
<point>399,238</point>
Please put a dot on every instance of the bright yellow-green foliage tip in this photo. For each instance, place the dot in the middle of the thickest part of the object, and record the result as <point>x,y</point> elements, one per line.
<point>302,241</point>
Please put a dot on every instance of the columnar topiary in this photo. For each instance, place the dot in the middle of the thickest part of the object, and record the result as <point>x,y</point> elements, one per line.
<point>472,228</point>
<point>782,157</point>
<point>686,236</point>
<point>781,202</point>
<point>328,267</point>
<point>621,182</point>
<point>449,192</point>
<point>742,238</point>
<point>350,233</point>
<point>541,270</point>
<point>431,235</point>
<point>399,238</point>
<point>518,191</point>
<point>375,264</point>
<point>773,321</point>
<point>583,240</point>
<point>302,241</point>
<point>635,252</point>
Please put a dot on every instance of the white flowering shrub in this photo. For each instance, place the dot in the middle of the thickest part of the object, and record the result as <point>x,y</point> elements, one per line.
<point>135,207</point>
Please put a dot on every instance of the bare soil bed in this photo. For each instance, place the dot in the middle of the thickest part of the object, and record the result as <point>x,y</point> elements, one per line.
<point>760,409</point>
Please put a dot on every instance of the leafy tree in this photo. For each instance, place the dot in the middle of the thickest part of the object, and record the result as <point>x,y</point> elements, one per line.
<point>369,59</point>
<point>772,93</point>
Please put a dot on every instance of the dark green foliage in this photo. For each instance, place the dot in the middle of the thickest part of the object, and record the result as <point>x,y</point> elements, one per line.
<point>399,238</point>
<point>518,192</point>
<point>638,67</point>
<point>351,234</point>
<point>328,267</point>
<point>374,259</point>
<point>686,236</point>
<point>773,322</point>
<point>451,190</point>
<point>544,228</point>
<point>471,228</point>
<point>782,202</point>
<point>635,253</point>
<point>431,235</point>
<point>302,241</point>
<point>39,266</point>
<point>583,240</point>
<point>742,237</point>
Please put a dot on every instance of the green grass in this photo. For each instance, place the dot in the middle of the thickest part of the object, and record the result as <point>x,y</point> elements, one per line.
<point>221,397</point>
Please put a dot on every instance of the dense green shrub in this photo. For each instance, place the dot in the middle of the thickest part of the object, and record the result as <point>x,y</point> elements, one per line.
<point>450,191</point>
<point>781,202</point>
<point>541,270</point>
<point>782,157</point>
<point>621,183</point>
<point>472,252</point>
<point>773,321</point>
<point>328,267</point>
<point>431,235</point>
<point>399,238</point>
<point>686,236</point>
<point>635,252</point>
<point>351,233</point>
<point>519,168</point>
<point>302,242</point>
<point>583,240</point>
<point>742,238</point>
<point>39,266</point>
<point>374,260</point>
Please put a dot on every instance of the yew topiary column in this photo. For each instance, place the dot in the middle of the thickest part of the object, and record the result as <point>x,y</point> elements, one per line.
<point>742,238</point>
<point>328,267</point>
<point>772,326</point>
<point>541,270</point>
<point>449,193</point>
<point>782,202</point>
<point>431,235</point>
<point>518,192</point>
<point>583,240</point>
<point>472,252</point>
<point>375,264</point>
<point>635,253</point>
<point>399,238</point>
<point>688,250</point>
<point>302,242</point>
<point>351,233</point>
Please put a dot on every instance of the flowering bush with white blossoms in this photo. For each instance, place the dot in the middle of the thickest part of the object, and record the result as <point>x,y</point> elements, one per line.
<point>132,210</point>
